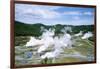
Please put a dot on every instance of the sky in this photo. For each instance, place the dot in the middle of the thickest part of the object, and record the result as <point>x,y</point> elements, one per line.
<point>52,15</point>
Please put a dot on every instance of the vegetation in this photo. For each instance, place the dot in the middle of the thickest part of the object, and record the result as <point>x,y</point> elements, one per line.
<point>22,29</point>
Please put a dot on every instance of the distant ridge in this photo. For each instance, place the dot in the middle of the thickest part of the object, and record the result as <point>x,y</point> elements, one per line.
<point>23,29</point>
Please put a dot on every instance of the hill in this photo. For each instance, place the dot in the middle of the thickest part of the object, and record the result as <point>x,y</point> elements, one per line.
<point>22,29</point>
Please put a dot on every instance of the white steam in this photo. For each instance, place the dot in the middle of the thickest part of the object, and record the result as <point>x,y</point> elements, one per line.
<point>57,43</point>
<point>66,29</point>
<point>79,34</point>
<point>52,54</point>
<point>34,42</point>
<point>87,35</point>
<point>47,39</point>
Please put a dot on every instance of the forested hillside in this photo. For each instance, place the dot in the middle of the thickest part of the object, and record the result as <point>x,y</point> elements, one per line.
<point>22,29</point>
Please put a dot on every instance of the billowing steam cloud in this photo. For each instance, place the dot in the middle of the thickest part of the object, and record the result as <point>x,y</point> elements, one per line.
<point>52,54</point>
<point>47,39</point>
<point>34,42</point>
<point>57,43</point>
<point>79,34</point>
<point>66,29</point>
<point>87,35</point>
